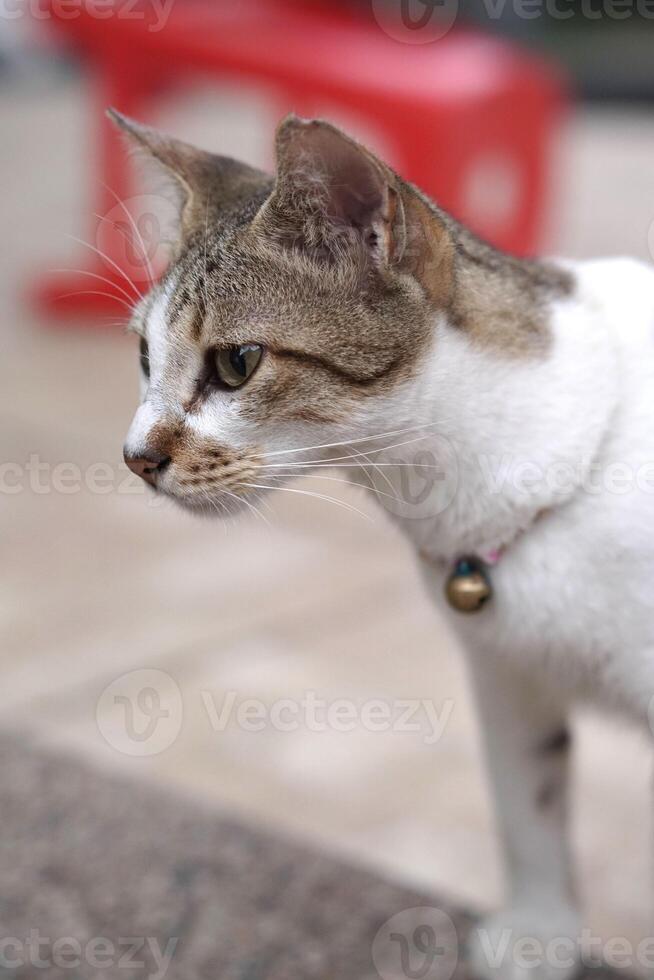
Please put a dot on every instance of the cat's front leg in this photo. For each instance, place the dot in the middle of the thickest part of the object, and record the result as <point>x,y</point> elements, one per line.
<point>527,743</point>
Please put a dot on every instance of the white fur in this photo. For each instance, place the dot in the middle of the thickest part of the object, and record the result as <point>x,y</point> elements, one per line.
<point>572,616</point>
<point>573,590</point>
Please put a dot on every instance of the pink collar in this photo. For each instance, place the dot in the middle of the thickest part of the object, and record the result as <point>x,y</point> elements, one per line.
<point>492,556</point>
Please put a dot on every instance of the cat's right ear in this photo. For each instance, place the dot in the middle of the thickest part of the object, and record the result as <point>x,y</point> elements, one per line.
<point>205,183</point>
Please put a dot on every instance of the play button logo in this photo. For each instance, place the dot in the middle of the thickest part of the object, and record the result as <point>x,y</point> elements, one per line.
<point>415,21</point>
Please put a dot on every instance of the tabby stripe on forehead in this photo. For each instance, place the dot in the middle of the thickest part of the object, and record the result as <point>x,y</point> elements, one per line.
<point>322,362</point>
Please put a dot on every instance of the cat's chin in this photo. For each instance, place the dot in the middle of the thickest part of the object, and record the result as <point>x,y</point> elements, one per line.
<point>207,507</point>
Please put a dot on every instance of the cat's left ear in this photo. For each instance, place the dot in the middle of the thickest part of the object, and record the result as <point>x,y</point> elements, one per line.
<point>206,183</point>
<point>332,193</point>
<point>336,190</point>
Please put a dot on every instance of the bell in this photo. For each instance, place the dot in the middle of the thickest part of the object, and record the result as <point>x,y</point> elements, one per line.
<point>468,587</point>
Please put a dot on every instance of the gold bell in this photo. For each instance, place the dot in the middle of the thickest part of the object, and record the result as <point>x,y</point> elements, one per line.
<point>468,587</point>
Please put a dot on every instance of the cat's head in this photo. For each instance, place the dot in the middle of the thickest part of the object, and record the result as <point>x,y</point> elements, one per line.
<point>296,312</point>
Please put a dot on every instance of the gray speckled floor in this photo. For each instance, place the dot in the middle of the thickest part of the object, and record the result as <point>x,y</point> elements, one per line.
<point>112,880</point>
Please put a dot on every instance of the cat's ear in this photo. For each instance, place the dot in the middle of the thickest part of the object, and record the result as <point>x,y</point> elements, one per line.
<point>337,192</point>
<point>205,183</point>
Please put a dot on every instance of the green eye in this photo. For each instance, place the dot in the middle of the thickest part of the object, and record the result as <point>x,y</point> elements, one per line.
<point>144,357</point>
<point>234,365</point>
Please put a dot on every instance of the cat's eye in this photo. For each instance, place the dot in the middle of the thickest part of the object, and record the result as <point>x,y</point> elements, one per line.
<point>234,365</point>
<point>144,357</point>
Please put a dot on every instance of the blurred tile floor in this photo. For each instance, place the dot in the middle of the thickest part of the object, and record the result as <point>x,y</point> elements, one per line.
<point>96,585</point>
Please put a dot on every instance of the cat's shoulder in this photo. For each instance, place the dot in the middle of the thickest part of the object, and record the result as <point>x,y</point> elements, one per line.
<point>620,291</point>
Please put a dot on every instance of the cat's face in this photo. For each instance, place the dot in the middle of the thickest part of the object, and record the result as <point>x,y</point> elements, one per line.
<point>293,316</point>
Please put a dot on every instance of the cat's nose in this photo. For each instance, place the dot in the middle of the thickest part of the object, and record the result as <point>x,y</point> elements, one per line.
<point>147,465</point>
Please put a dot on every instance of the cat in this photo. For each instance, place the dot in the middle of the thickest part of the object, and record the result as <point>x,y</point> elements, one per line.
<point>335,302</point>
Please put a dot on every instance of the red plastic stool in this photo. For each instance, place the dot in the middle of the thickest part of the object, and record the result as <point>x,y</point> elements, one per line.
<point>468,118</point>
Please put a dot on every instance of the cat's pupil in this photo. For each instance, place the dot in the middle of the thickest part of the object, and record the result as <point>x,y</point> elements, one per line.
<point>144,357</point>
<point>237,360</point>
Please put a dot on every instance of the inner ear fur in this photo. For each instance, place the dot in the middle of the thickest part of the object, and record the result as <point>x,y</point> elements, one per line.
<point>338,192</point>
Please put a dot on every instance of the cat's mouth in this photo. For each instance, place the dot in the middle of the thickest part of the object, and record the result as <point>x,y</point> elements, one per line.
<point>207,503</point>
<point>211,492</point>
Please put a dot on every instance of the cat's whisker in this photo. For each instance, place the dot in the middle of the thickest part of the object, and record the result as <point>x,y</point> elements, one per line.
<point>383,475</point>
<point>96,292</point>
<point>225,514</point>
<point>366,456</point>
<point>114,265</point>
<point>384,449</point>
<point>347,483</point>
<point>96,275</point>
<point>248,503</point>
<point>113,322</point>
<point>326,465</point>
<point>351,442</point>
<point>130,241</point>
<point>216,505</point>
<point>202,492</point>
<point>264,503</point>
<point>355,455</point>
<point>310,493</point>
<point>130,218</point>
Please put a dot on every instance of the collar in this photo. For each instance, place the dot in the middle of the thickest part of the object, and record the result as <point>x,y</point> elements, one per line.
<point>469,587</point>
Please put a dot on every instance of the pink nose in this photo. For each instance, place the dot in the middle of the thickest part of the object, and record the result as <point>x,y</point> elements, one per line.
<point>147,466</point>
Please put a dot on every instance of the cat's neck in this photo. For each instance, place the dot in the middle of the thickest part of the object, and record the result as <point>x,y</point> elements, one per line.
<point>507,435</point>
